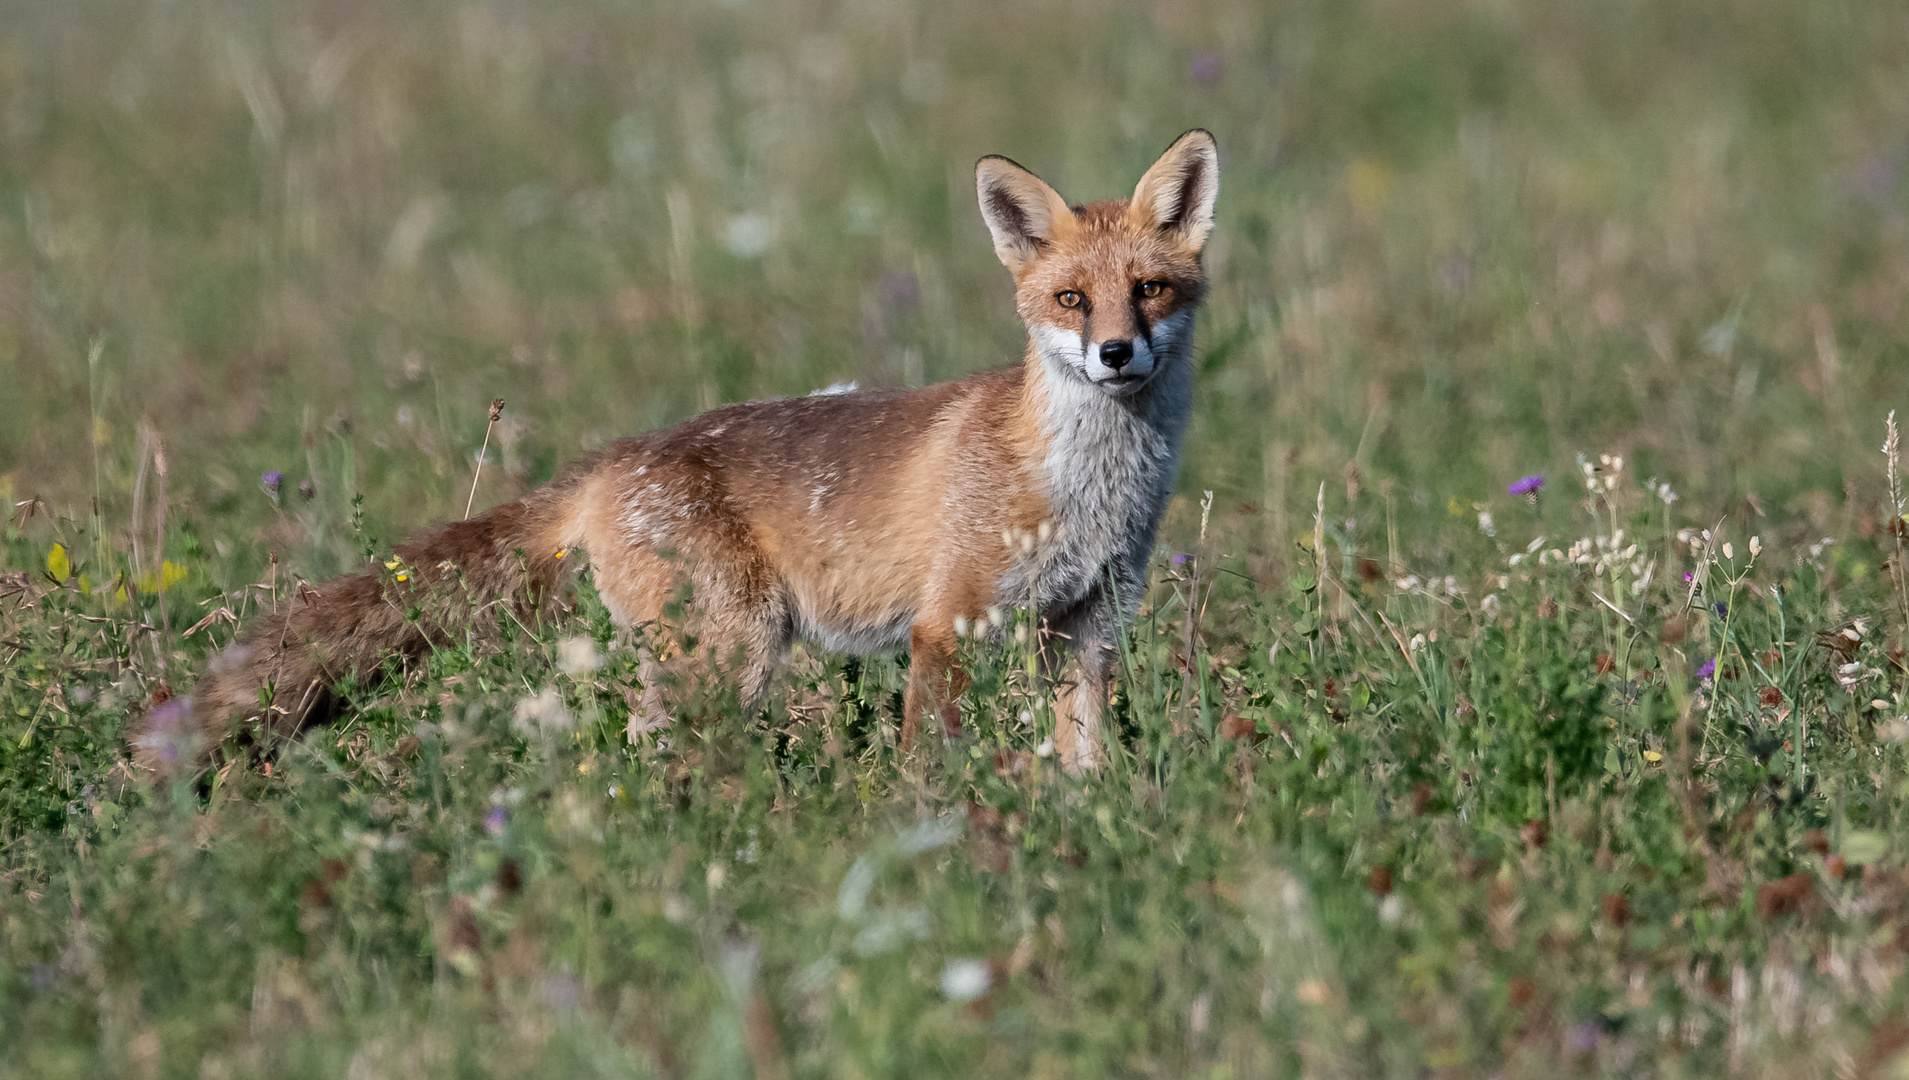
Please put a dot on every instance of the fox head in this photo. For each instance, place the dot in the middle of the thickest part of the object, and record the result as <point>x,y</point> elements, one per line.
<point>1107,290</point>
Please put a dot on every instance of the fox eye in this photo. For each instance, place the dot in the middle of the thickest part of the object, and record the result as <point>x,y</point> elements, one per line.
<point>1068,298</point>
<point>1152,289</point>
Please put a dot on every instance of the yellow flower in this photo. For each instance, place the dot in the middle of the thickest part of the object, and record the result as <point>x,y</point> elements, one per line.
<point>1653,756</point>
<point>170,574</point>
<point>58,564</point>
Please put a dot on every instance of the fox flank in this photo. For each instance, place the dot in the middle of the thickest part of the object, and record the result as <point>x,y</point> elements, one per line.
<point>862,521</point>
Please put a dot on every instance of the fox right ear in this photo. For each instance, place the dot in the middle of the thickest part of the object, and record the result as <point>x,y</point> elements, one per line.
<point>1023,213</point>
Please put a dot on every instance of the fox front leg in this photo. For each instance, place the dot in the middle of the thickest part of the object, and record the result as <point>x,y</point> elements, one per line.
<point>1081,650</point>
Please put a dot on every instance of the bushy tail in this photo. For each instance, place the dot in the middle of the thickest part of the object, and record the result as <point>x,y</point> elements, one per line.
<point>446,582</point>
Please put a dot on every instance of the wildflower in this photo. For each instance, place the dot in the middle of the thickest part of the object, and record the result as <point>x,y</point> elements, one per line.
<point>171,736</point>
<point>1181,558</point>
<point>1708,671</point>
<point>1485,524</point>
<point>1723,609</point>
<point>496,821</point>
<point>1729,552</point>
<point>1756,546</point>
<point>1580,1039</point>
<point>1653,756</point>
<point>577,655</point>
<point>543,711</point>
<point>965,980</point>
<point>1528,487</point>
<point>271,481</point>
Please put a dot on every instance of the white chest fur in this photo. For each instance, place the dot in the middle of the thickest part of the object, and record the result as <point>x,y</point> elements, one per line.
<point>1110,467</point>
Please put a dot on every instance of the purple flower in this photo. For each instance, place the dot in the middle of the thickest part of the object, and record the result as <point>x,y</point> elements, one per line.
<point>170,736</point>
<point>1182,558</point>
<point>1581,1038</point>
<point>1528,485</point>
<point>495,821</point>
<point>272,481</point>
<point>1708,671</point>
<point>1723,609</point>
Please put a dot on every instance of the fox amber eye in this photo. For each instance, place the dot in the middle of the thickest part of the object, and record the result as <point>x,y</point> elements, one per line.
<point>1067,298</point>
<point>1152,289</point>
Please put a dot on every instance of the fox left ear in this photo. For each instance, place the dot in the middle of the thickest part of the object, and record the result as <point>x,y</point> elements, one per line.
<point>1177,194</point>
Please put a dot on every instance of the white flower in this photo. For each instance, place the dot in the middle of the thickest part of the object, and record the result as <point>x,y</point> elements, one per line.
<point>577,655</point>
<point>1046,749</point>
<point>543,711</point>
<point>1756,546</point>
<point>1391,908</point>
<point>1485,524</point>
<point>965,980</point>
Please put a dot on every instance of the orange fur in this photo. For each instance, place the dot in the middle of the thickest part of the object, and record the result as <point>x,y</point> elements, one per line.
<point>861,521</point>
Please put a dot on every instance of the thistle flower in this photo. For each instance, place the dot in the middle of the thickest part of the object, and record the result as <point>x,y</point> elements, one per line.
<point>1708,671</point>
<point>1528,487</point>
<point>271,481</point>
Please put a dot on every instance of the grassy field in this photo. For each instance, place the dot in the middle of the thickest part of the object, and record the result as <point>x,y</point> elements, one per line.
<point>1415,776</point>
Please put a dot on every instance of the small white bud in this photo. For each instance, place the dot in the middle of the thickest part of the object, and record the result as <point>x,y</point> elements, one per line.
<point>960,626</point>
<point>1729,552</point>
<point>996,617</point>
<point>1046,749</point>
<point>1020,634</point>
<point>1756,546</point>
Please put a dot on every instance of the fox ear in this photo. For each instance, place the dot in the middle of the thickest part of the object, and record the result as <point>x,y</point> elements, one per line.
<point>1023,213</point>
<point>1177,194</point>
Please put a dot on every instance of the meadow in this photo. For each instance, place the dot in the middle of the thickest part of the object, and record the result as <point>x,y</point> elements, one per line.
<point>1520,690</point>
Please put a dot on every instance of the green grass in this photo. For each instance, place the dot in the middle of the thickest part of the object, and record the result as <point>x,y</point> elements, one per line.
<point>1407,805</point>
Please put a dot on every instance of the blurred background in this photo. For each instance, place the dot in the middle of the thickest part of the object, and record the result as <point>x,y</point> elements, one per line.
<point>1459,242</point>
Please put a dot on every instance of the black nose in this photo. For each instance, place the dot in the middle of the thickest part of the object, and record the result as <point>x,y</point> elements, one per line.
<point>1115,354</point>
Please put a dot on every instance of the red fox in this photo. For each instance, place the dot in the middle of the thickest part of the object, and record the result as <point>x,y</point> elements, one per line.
<point>860,521</point>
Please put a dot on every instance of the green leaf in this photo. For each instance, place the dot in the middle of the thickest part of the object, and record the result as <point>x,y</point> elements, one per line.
<point>1864,846</point>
